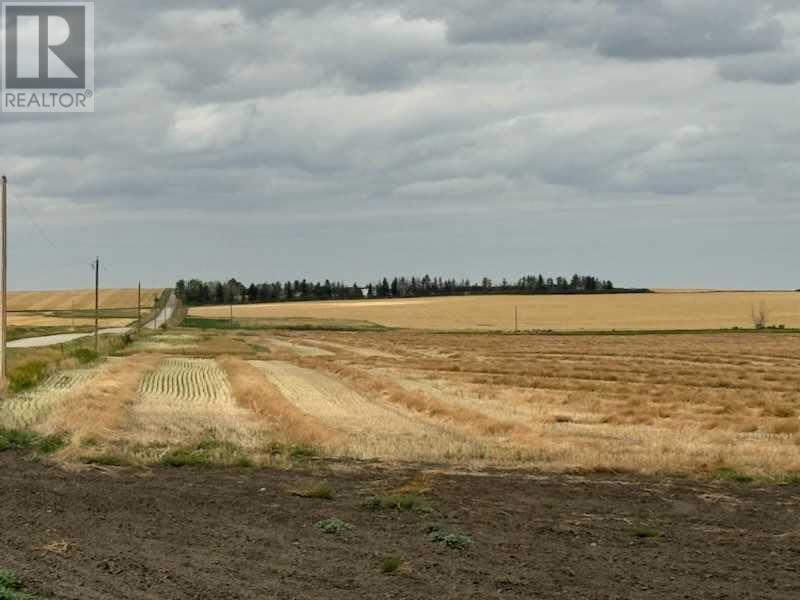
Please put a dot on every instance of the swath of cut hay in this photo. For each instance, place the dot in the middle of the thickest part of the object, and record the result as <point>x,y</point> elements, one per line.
<point>27,409</point>
<point>186,400</point>
<point>98,410</point>
<point>372,428</point>
<point>285,421</point>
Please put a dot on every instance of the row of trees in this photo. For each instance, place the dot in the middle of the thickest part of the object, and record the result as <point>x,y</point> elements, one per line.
<point>196,292</point>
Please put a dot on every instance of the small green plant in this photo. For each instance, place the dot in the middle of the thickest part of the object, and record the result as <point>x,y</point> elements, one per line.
<point>321,491</point>
<point>104,460</point>
<point>51,443</point>
<point>27,375</point>
<point>85,356</point>
<point>10,586</point>
<point>16,439</point>
<point>8,579</point>
<point>644,533</point>
<point>209,452</point>
<point>391,564</point>
<point>453,540</point>
<point>732,475</point>
<point>302,452</point>
<point>185,457</point>
<point>333,526</point>
<point>407,502</point>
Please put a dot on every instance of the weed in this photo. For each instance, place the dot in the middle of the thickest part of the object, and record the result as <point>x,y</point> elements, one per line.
<point>10,586</point>
<point>405,502</point>
<point>27,375</point>
<point>8,579</point>
<point>454,541</point>
<point>333,526</point>
<point>16,439</point>
<point>302,452</point>
<point>105,460</point>
<point>51,443</point>
<point>644,533</point>
<point>185,457</point>
<point>391,564</point>
<point>732,475</point>
<point>85,356</point>
<point>321,491</point>
<point>209,452</point>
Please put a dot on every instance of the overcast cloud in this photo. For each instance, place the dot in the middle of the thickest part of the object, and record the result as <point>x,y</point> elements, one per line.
<point>654,142</point>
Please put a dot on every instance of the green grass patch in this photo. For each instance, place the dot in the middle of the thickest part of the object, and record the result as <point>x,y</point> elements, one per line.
<point>321,491</point>
<point>210,452</point>
<point>105,460</point>
<point>732,475</point>
<point>406,502</point>
<point>84,355</point>
<point>51,444</point>
<point>27,375</point>
<point>19,439</point>
<point>11,587</point>
<point>16,439</point>
<point>333,526</point>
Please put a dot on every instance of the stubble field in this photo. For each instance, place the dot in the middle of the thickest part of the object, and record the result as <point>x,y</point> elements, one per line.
<point>708,405</point>
<point>605,312</point>
<point>68,308</point>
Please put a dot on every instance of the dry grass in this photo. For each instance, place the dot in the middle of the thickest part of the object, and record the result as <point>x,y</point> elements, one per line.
<point>256,393</point>
<point>694,404</point>
<point>667,311</point>
<point>98,410</point>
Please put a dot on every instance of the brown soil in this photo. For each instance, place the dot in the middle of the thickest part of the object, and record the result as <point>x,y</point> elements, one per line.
<point>187,533</point>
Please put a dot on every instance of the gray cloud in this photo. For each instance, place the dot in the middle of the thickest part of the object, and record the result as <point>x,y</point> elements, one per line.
<point>780,69</point>
<point>402,129</point>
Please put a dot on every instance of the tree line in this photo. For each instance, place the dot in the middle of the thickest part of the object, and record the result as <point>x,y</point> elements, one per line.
<point>196,292</point>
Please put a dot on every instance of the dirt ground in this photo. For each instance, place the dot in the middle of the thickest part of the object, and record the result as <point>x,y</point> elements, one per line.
<point>240,533</point>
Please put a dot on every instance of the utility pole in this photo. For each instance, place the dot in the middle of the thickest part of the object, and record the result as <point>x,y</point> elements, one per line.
<point>4,286</point>
<point>231,314</point>
<point>139,312</point>
<point>96,304</point>
<point>516,319</point>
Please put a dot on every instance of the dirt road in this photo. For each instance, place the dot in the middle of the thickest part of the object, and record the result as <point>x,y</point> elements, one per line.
<point>53,340</point>
<point>208,534</point>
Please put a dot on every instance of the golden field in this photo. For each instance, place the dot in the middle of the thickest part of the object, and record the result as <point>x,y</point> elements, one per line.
<point>697,404</point>
<point>650,312</point>
<point>45,307</point>
<point>79,299</point>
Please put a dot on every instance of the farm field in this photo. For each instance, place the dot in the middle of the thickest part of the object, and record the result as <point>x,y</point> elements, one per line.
<point>579,466</point>
<point>75,308</point>
<point>621,312</point>
<point>705,405</point>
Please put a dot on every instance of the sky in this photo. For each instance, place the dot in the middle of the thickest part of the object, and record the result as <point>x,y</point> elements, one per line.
<point>652,142</point>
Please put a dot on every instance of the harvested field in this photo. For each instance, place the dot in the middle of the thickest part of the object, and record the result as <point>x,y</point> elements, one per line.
<point>373,428</point>
<point>79,299</point>
<point>708,405</point>
<point>30,408</point>
<point>73,308</point>
<point>663,311</point>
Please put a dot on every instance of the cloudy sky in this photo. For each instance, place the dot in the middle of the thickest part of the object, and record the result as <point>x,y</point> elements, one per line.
<point>654,142</point>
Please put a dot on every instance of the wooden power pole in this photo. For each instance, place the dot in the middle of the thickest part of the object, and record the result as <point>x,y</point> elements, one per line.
<point>139,311</point>
<point>96,304</point>
<point>4,286</point>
